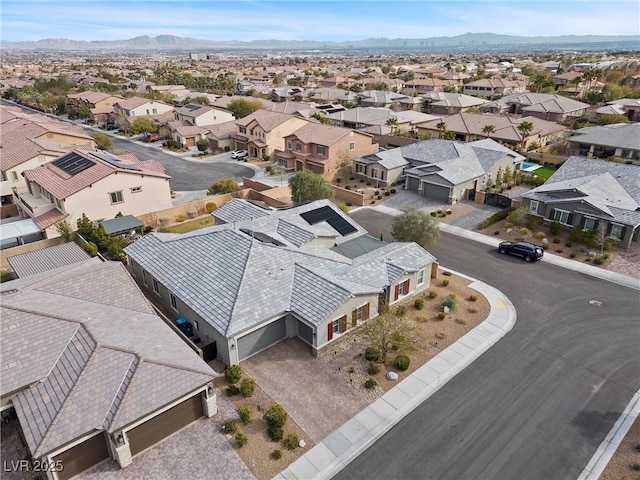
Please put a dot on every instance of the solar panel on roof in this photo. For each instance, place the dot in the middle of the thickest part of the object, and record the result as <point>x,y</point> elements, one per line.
<point>73,164</point>
<point>328,214</point>
<point>115,162</point>
<point>191,107</point>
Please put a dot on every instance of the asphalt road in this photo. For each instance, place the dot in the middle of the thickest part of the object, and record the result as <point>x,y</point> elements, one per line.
<point>539,402</point>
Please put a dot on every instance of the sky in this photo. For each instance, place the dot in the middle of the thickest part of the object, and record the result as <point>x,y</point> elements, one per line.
<point>28,20</point>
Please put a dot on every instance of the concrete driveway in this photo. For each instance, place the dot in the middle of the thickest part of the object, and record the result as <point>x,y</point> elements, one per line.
<point>309,389</point>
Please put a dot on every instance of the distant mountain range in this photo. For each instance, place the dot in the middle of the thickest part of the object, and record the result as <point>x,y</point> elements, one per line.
<point>466,41</point>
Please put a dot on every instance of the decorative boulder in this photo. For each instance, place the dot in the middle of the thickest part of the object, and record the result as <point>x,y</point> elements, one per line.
<point>392,376</point>
<point>446,309</point>
<point>302,443</point>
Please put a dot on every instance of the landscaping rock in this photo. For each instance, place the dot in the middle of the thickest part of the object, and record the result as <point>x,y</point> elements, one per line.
<point>392,376</point>
<point>445,309</point>
<point>302,443</point>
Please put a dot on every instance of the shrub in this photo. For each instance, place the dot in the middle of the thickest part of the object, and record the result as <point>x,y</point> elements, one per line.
<point>572,255</point>
<point>275,433</point>
<point>368,183</point>
<point>606,255</point>
<point>418,304</point>
<point>556,240</point>
<point>373,369</point>
<point>422,319</point>
<point>545,246</point>
<point>445,282</point>
<point>540,235</point>
<point>338,180</point>
<point>372,202</point>
<point>402,362</point>
<point>440,335</point>
<point>393,190</point>
<point>230,426</point>
<point>448,212</point>
<point>291,441</point>
<point>433,294</point>
<point>568,244</point>
<point>559,250</point>
<point>496,232</point>
<point>461,321</point>
<point>349,204</point>
<point>587,259</point>
<point>276,455</point>
<point>233,374</point>
<point>401,311</point>
<point>441,315</point>
<point>232,390</point>
<point>5,276</point>
<point>245,414</point>
<point>210,207</point>
<point>147,229</point>
<point>508,225</point>
<point>180,217</point>
<point>496,217</point>
<point>377,192</point>
<point>449,302</point>
<point>473,310</point>
<point>439,211</point>
<point>635,466</point>
<point>370,384</point>
<point>379,197</point>
<point>241,439</point>
<point>352,370</point>
<point>347,187</point>
<point>91,248</point>
<point>598,260</point>
<point>247,387</point>
<point>446,273</point>
<point>386,194</point>
<point>555,227</point>
<point>163,230</point>
<point>442,215</point>
<point>276,416</point>
<point>473,298</point>
<point>371,354</point>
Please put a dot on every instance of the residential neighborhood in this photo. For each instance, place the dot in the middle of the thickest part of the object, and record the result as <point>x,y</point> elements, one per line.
<point>289,254</point>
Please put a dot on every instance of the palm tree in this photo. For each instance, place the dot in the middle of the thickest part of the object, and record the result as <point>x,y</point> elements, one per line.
<point>442,126</point>
<point>393,123</point>
<point>525,128</point>
<point>488,130</point>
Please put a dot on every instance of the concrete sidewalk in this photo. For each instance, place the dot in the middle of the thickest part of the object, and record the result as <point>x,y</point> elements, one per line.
<point>339,448</point>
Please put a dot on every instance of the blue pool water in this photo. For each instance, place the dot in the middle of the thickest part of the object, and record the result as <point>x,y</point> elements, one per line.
<point>529,167</point>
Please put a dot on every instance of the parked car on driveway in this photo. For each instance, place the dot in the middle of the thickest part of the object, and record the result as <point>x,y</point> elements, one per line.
<point>529,251</point>
<point>239,154</point>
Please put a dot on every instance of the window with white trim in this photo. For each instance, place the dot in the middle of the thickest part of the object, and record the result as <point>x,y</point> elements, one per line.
<point>561,216</point>
<point>14,175</point>
<point>174,302</point>
<point>420,277</point>
<point>320,150</point>
<point>589,224</point>
<point>404,288</point>
<point>156,286</point>
<point>116,197</point>
<point>533,206</point>
<point>616,231</point>
<point>335,326</point>
<point>352,145</point>
<point>360,315</point>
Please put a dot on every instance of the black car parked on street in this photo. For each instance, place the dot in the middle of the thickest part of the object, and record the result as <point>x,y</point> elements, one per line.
<point>529,251</point>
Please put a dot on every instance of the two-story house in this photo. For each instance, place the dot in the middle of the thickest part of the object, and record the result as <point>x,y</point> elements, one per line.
<point>321,148</point>
<point>97,184</point>
<point>134,107</point>
<point>263,132</point>
<point>99,105</point>
<point>193,122</point>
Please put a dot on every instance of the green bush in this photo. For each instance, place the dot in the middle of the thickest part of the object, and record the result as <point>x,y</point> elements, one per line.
<point>401,311</point>
<point>147,229</point>
<point>347,187</point>
<point>441,315</point>
<point>598,260</point>
<point>418,304</point>
<point>291,441</point>
<point>232,390</point>
<point>572,255</point>
<point>275,433</point>
<point>233,374</point>
<point>5,276</point>
<point>230,426</point>
<point>91,248</point>
<point>568,244</point>
<point>433,294</point>
<point>386,194</point>
<point>449,302</point>
<point>371,354</point>
<point>376,193</point>
<point>370,384</point>
<point>445,282</point>
<point>241,439</point>
<point>276,416</point>
<point>247,387</point>
<point>402,362</point>
<point>276,455</point>
<point>210,207</point>
<point>373,369</point>
<point>433,214</point>
<point>496,217</point>
<point>180,218</point>
<point>473,298</point>
<point>245,414</point>
<point>446,273</point>
<point>556,240</point>
<point>393,190</point>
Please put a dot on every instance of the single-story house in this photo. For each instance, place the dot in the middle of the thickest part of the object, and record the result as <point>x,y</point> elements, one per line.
<point>383,168</point>
<point>591,194</point>
<point>262,275</point>
<point>91,371</point>
<point>620,140</point>
<point>547,106</point>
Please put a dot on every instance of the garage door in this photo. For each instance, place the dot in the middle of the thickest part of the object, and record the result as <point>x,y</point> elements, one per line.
<point>262,338</point>
<point>436,192</point>
<point>159,427</point>
<point>84,455</point>
<point>305,332</point>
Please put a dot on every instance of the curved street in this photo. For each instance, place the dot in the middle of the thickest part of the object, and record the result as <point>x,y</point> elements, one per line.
<point>536,405</point>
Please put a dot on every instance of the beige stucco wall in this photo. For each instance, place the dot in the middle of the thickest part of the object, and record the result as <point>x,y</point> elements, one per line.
<point>214,117</point>
<point>148,109</point>
<point>275,138</point>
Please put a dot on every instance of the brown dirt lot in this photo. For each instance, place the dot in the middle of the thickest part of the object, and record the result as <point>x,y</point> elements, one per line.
<point>625,463</point>
<point>432,334</point>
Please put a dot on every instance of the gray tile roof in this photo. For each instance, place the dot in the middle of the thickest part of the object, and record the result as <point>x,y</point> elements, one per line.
<point>87,355</point>
<point>38,261</point>
<point>238,211</point>
<point>234,282</point>
<point>358,246</point>
<point>538,102</point>
<point>619,135</point>
<point>122,224</point>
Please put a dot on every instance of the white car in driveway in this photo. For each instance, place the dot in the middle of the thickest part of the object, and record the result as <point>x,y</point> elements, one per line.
<point>239,154</point>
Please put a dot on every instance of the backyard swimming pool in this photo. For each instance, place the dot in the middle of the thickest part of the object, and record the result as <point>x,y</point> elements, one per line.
<point>529,167</point>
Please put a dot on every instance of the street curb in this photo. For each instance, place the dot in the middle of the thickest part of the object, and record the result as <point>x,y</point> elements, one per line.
<point>342,446</point>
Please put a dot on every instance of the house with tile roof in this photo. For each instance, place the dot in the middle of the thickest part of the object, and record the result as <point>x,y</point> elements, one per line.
<point>321,148</point>
<point>547,106</point>
<point>363,118</point>
<point>98,104</point>
<point>620,140</point>
<point>382,168</point>
<point>494,87</point>
<point>445,103</point>
<point>263,132</point>
<point>91,371</point>
<point>629,107</point>
<point>592,195</point>
<point>420,86</point>
<point>262,275</point>
<point>469,127</point>
<point>97,184</point>
<point>192,123</point>
<point>446,170</point>
<point>133,107</point>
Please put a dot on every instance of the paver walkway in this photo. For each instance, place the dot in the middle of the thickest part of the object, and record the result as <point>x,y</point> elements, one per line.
<point>288,372</point>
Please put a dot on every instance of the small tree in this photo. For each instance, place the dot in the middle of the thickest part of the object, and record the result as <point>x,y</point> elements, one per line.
<point>499,178</point>
<point>414,225</point>
<point>143,125</point>
<point>203,145</point>
<point>518,217</point>
<point>442,127</point>
<point>345,167</point>
<point>276,418</point>
<point>103,142</point>
<point>64,229</point>
<point>386,332</point>
<point>307,186</point>
<point>525,128</point>
<point>507,176</point>
<point>224,185</point>
<point>241,107</point>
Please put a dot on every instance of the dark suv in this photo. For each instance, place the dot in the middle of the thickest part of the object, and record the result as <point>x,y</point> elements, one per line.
<point>529,251</point>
